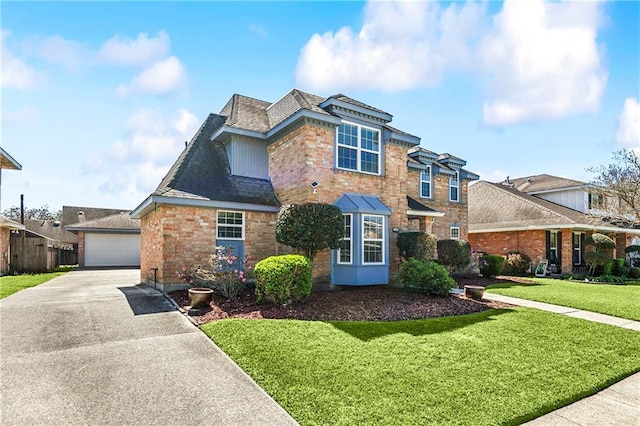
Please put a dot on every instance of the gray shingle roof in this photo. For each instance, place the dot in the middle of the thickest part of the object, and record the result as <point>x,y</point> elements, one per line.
<point>352,101</point>
<point>120,221</point>
<point>71,214</point>
<point>47,229</point>
<point>543,182</point>
<point>496,206</point>
<point>202,172</point>
<point>246,113</point>
<point>416,205</point>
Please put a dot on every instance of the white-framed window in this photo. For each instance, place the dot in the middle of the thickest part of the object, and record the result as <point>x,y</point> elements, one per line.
<point>553,247</point>
<point>372,239</point>
<point>454,232</point>
<point>454,187</point>
<point>345,250</point>
<point>230,225</point>
<point>425,183</point>
<point>596,201</point>
<point>358,148</point>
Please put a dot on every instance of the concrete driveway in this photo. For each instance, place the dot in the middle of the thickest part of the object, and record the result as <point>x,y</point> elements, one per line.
<point>92,347</point>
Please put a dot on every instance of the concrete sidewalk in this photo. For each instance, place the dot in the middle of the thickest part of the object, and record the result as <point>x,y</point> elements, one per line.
<point>619,404</point>
<point>92,347</point>
<point>571,312</point>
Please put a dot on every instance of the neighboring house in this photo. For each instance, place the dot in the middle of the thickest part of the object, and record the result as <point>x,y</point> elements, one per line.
<point>543,216</point>
<point>7,162</point>
<point>227,187</point>
<point>110,241</point>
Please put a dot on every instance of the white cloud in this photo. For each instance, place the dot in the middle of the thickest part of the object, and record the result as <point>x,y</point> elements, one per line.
<point>401,45</point>
<point>14,72</point>
<point>259,30</point>
<point>58,50</point>
<point>160,78</point>
<point>539,60</point>
<point>141,51</point>
<point>137,162</point>
<point>543,60</point>
<point>494,176</point>
<point>27,113</point>
<point>628,133</point>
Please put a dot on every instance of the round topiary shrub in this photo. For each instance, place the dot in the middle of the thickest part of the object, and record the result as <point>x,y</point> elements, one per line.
<point>594,259</point>
<point>283,279</point>
<point>426,276</point>
<point>491,265</point>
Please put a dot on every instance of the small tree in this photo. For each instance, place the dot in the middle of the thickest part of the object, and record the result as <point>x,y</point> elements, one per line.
<point>310,227</point>
<point>454,254</point>
<point>617,186</point>
<point>42,213</point>
<point>598,258</point>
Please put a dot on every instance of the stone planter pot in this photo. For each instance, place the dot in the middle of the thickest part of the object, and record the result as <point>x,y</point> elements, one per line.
<point>200,297</point>
<point>474,291</point>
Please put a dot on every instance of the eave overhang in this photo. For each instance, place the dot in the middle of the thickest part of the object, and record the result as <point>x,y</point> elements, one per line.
<point>153,201</point>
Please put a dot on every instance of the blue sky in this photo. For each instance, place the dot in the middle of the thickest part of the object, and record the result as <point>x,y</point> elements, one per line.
<point>98,98</point>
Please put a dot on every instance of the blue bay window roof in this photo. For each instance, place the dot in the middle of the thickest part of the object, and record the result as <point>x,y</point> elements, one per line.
<point>357,203</point>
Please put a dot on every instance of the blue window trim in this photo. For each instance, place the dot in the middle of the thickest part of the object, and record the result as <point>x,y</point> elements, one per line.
<point>383,240</point>
<point>350,262</point>
<point>429,180</point>
<point>456,178</point>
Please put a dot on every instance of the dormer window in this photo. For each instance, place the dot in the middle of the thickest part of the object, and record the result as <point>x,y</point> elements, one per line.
<point>425,183</point>
<point>454,187</point>
<point>358,148</point>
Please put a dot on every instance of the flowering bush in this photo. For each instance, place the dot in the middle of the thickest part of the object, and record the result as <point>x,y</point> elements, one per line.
<point>225,272</point>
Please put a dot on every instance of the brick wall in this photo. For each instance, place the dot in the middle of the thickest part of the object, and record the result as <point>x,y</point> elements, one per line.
<point>531,243</point>
<point>81,249</point>
<point>455,212</point>
<point>5,235</point>
<point>177,236</point>
<point>307,155</point>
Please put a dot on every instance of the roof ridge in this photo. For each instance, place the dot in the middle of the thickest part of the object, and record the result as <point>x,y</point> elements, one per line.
<point>523,196</point>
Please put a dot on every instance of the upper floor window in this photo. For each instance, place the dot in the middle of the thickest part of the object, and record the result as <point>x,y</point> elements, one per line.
<point>596,201</point>
<point>372,239</point>
<point>358,148</point>
<point>454,232</point>
<point>230,225</point>
<point>454,187</point>
<point>425,183</point>
<point>344,252</point>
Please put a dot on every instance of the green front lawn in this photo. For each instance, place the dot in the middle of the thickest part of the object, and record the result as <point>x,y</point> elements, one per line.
<point>494,367</point>
<point>14,283</point>
<point>618,300</point>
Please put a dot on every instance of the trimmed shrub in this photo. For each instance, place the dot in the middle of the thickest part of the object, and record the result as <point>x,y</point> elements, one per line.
<point>600,241</point>
<point>454,254</point>
<point>491,265</point>
<point>310,227</point>
<point>611,279</point>
<point>618,267</point>
<point>634,273</point>
<point>283,279</point>
<point>426,276</point>
<point>417,245</point>
<point>595,259</point>
<point>516,263</point>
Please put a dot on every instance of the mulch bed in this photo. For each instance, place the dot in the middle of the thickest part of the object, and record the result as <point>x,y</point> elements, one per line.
<point>373,303</point>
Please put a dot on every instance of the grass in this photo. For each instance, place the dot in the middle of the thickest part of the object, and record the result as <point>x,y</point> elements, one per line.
<point>14,283</point>
<point>493,367</point>
<point>617,300</point>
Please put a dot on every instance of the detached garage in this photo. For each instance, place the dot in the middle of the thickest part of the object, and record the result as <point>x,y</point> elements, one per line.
<point>112,241</point>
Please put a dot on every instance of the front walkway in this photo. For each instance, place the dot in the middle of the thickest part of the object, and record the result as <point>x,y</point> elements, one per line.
<point>619,404</point>
<point>571,312</point>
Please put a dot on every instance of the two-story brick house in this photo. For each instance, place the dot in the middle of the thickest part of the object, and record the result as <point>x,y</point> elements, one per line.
<point>543,216</point>
<point>244,163</point>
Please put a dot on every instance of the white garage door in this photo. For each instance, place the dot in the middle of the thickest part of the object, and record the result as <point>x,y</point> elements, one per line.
<point>111,249</point>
